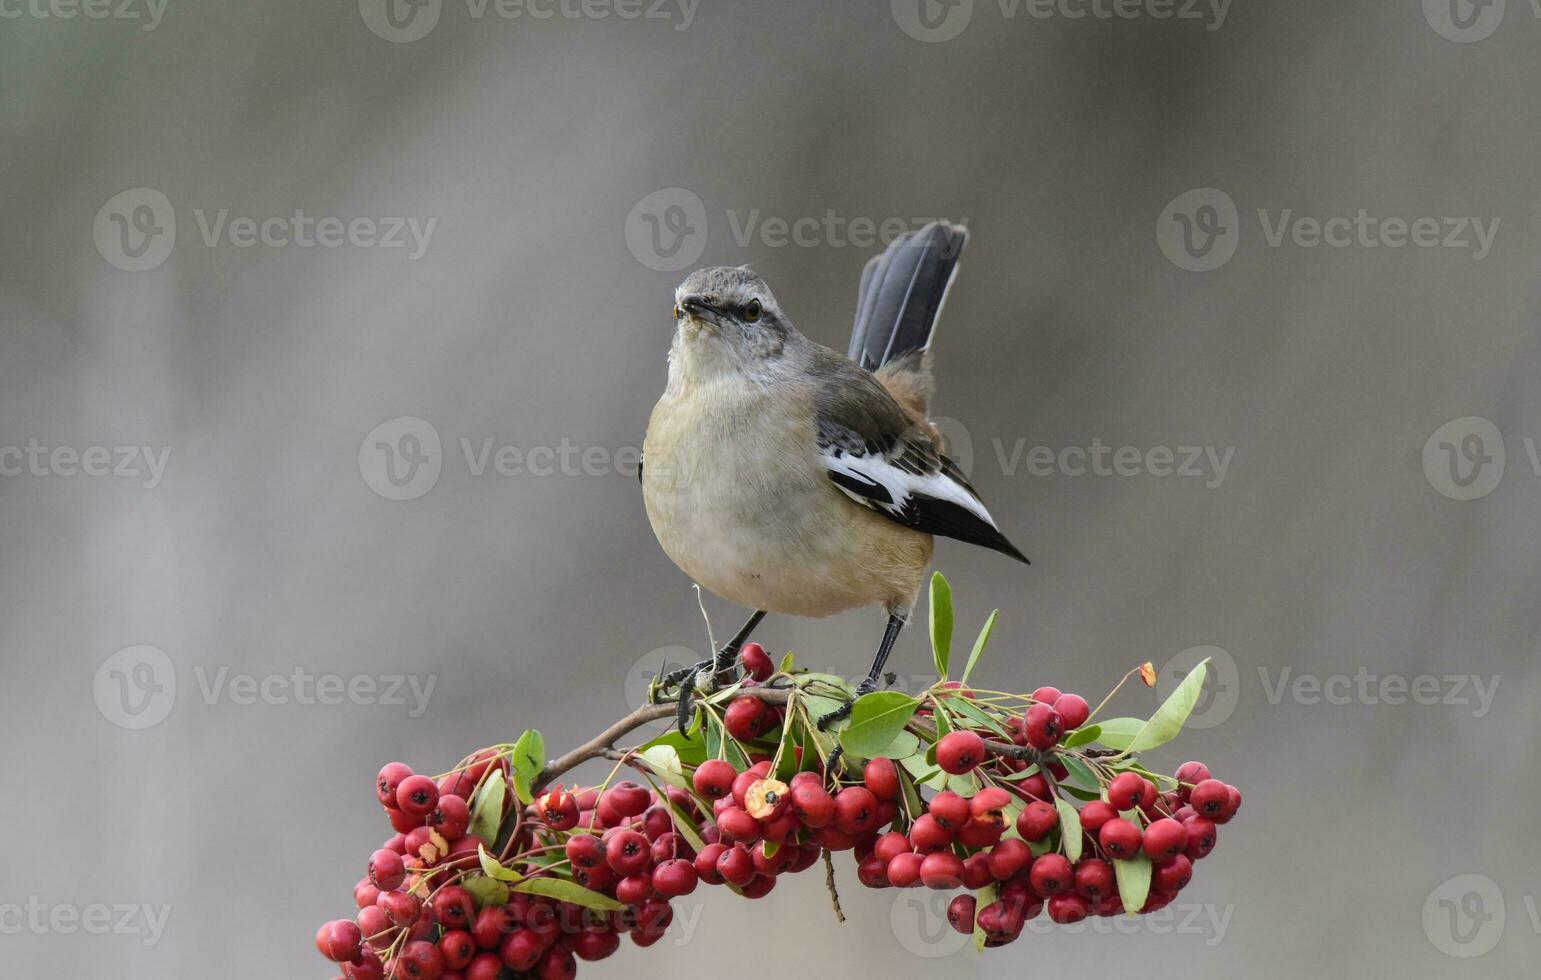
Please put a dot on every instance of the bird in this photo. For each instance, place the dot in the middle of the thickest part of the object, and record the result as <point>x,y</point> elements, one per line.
<point>786,477</point>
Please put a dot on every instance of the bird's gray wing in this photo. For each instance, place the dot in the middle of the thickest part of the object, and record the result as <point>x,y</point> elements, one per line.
<point>883,459</point>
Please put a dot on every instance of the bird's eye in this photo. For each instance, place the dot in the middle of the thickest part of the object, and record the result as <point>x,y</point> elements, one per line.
<point>752,311</point>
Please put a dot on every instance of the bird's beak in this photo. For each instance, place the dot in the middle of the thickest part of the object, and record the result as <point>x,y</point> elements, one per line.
<point>698,309</point>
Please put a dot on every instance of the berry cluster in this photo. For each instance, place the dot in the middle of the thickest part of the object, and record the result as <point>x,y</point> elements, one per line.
<point>1019,800</point>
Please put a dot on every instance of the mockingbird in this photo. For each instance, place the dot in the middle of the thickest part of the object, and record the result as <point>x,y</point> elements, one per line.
<point>787,478</point>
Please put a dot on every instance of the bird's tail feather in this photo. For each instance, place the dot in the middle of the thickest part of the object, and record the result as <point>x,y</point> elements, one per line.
<point>901,296</point>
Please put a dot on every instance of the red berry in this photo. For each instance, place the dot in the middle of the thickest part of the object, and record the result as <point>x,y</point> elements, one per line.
<point>891,845</point>
<point>486,966</point>
<point>813,806</point>
<point>1120,838</point>
<point>959,752</point>
<point>941,869</point>
<point>390,777</point>
<point>522,950</point>
<point>1209,798</point>
<point>585,851</point>
<point>635,888</point>
<point>386,870</point>
<point>1191,774</point>
<point>706,864</point>
<point>735,866</point>
<point>976,833</point>
<point>881,776</point>
<point>1165,839</point>
<point>339,940</point>
<point>736,824</point>
<point>872,872</point>
<point>1000,922</point>
<point>493,923</point>
<point>559,809</point>
<point>420,960</point>
<point>1173,876</point>
<point>713,778</point>
<point>1068,907</point>
<point>1043,726</point>
<point>904,870</point>
<point>1036,820</point>
<point>458,948</point>
<point>928,834</point>
<point>1125,791</point>
<point>417,796</point>
<point>856,810</point>
<point>453,908</point>
<point>1008,858</point>
<point>597,879</point>
<point>676,877</point>
<point>960,914</point>
<point>628,798</point>
<point>1201,837</point>
<point>458,784</point>
<point>759,886</point>
<point>1048,695</point>
<point>747,718</point>
<point>1051,874</point>
<point>757,663</point>
<point>1095,814</point>
<point>1232,804</point>
<point>400,908</point>
<point>557,963</point>
<point>452,817</point>
<point>628,852</point>
<point>950,810</point>
<point>989,806</point>
<point>1073,710</point>
<point>1094,878</point>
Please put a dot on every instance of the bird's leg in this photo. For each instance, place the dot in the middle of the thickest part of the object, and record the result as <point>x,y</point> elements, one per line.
<point>717,667</point>
<point>870,683</point>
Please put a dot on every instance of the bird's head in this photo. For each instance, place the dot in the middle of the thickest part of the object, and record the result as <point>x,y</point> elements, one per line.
<point>726,319</point>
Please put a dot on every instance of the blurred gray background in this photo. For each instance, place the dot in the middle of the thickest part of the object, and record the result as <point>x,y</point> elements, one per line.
<point>279,384</point>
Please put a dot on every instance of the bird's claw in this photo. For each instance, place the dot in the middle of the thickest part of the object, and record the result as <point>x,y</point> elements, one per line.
<point>688,680</point>
<point>867,686</point>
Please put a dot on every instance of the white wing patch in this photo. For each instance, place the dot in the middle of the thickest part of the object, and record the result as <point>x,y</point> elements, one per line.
<point>873,480</point>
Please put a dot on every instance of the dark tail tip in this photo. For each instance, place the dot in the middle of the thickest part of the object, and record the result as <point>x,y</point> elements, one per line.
<point>902,292</point>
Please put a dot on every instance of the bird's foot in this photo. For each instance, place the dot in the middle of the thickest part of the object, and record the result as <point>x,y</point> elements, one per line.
<point>704,677</point>
<point>867,686</point>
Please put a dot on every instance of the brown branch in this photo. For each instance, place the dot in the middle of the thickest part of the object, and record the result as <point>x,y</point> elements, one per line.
<point>829,882</point>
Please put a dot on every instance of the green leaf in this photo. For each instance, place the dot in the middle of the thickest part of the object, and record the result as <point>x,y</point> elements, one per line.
<point>786,763</point>
<point>1085,795</point>
<point>1069,829</point>
<point>1117,733</point>
<point>685,826</point>
<point>488,813</point>
<point>690,749</point>
<point>979,645</point>
<point>486,891</point>
<point>492,869</point>
<point>983,897</point>
<point>905,743</point>
<point>912,805</point>
<point>1080,773</point>
<point>941,622</point>
<point>964,706</point>
<point>787,663</point>
<point>719,747</point>
<point>568,891</point>
<point>925,773</point>
<point>875,719</point>
<point>665,761</point>
<point>529,760</point>
<point>1081,736</point>
<point>1133,882</point>
<point>1168,719</point>
<point>818,705</point>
